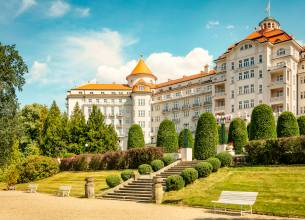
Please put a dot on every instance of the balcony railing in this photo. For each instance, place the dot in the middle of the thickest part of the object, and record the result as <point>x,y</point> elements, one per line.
<point>277,67</point>
<point>186,106</point>
<point>207,102</point>
<point>175,108</point>
<point>219,93</point>
<point>195,117</point>
<point>196,105</point>
<point>176,120</point>
<point>220,108</point>
<point>276,98</point>
<point>166,110</point>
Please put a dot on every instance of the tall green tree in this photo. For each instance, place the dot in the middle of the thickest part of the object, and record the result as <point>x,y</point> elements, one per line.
<point>287,125</point>
<point>301,123</point>
<point>12,70</point>
<point>135,137</point>
<point>53,142</point>
<point>262,125</point>
<point>206,138</point>
<point>190,138</point>
<point>167,137</point>
<point>238,134</point>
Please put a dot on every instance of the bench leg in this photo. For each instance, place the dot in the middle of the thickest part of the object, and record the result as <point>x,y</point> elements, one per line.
<point>241,210</point>
<point>251,209</point>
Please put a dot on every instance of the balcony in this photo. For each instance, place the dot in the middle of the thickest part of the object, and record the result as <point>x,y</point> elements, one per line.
<point>119,115</point>
<point>276,83</point>
<point>176,108</point>
<point>277,98</point>
<point>176,120</point>
<point>207,102</point>
<point>196,105</point>
<point>220,108</point>
<point>167,110</point>
<point>195,117</point>
<point>186,106</point>
<point>277,69</point>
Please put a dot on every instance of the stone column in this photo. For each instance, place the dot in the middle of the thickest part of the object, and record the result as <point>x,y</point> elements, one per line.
<point>89,187</point>
<point>158,190</point>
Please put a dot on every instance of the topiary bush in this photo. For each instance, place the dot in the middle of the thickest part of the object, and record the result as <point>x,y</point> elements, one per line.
<point>81,162</point>
<point>206,138</point>
<point>204,169</point>
<point>127,174</point>
<point>168,159</point>
<point>145,169</point>
<point>189,175</point>
<point>174,183</point>
<point>301,123</point>
<point>225,158</point>
<point>157,165</point>
<point>167,136</point>
<point>113,180</point>
<point>222,134</point>
<point>287,125</point>
<point>238,134</point>
<point>262,124</point>
<point>37,167</point>
<point>215,162</point>
<point>135,137</point>
<point>190,139</point>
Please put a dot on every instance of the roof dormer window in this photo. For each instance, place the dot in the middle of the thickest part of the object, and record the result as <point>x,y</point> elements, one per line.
<point>281,52</point>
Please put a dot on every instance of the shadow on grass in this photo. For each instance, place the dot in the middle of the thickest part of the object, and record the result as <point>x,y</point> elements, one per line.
<point>172,201</point>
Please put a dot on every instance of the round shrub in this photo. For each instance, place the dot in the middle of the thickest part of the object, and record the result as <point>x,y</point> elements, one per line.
<point>238,134</point>
<point>262,125</point>
<point>145,169</point>
<point>113,180</point>
<point>157,165</point>
<point>174,182</point>
<point>204,169</point>
<point>167,159</point>
<point>190,139</point>
<point>301,123</point>
<point>135,137</point>
<point>167,136</point>
<point>287,125</point>
<point>127,174</point>
<point>206,138</point>
<point>189,175</point>
<point>225,159</point>
<point>215,162</point>
<point>37,167</point>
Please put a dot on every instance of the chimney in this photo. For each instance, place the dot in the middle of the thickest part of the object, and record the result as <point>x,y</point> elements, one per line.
<point>206,68</point>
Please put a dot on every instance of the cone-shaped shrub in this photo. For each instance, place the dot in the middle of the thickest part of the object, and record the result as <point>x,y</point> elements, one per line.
<point>135,137</point>
<point>287,125</point>
<point>238,134</point>
<point>190,139</point>
<point>262,123</point>
<point>206,138</point>
<point>301,123</point>
<point>167,136</point>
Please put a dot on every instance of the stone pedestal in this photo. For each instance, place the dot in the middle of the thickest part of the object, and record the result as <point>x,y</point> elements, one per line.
<point>221,148</point>
<point>186,154</point>
<point>158,190</point>
<point>89,187</point>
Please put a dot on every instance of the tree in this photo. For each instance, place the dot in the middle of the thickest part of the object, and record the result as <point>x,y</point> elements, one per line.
<point>222,134</point>
<point>167,136</point>
<point>262,124</point>
<point>206,138</point>
<point>135,137</point>
<point>301,123</point>
<point>238,134</point>
<point>53,143</point>
<point>12,70</point>
<point>190,139</point>
<point>287,125</point>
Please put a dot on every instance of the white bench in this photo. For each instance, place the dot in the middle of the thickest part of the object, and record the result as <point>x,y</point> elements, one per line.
<point>32,188</point>
<point>64,190</point>
<point>237,198</point>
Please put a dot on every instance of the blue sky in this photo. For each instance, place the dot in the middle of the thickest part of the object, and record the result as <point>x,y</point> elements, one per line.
<point>66,43</point>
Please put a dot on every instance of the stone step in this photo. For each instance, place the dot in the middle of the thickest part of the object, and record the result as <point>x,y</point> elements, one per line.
<point>132,191</point>
<point>130,195</point>
<point>138,188</point>
<point>141,183</point>
<point>133,200</point>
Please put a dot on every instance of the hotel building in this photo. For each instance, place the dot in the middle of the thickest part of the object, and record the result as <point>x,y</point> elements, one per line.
<point>267,66</point>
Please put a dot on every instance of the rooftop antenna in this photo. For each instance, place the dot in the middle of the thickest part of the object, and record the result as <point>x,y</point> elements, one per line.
<point>268,9</point>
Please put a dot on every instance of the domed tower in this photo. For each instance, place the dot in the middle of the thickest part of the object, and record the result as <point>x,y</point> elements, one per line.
<point>269,23</point>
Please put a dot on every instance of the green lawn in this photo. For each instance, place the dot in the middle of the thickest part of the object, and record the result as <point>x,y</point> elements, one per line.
<point>75,179</point>
<point>281,189</point>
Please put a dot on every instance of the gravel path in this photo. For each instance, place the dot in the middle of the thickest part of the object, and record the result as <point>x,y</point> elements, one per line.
<point>20,205</point>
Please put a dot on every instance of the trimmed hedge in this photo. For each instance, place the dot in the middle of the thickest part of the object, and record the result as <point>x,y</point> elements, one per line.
<point>157,165</point>
<point>168,159</point>
<point>222,134</point>
<point>36,168</point>
<point>127,174</point>
<point>190,139</point>
<point>189,175</point>
<point>167,137</point>
<point>262,124</point>
<point>301,123</point>
<point>206,138</point>
<point>215,162</point>
<point>287,125</point>
<point>135,137</point>
<point>174,182</point>
<point>289,150</point>
<point>204,169</point>
<point>113,180</point>
<point>225,158</point>
<point>238,134</point>
<point>145,169</point>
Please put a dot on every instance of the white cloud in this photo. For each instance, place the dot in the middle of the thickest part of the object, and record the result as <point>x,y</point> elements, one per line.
<point>58,8</point>
<point>38,71</point>
<point>230,26</point>
<point>82,12</point>
<point>212,24</point>
<point>25,5</point>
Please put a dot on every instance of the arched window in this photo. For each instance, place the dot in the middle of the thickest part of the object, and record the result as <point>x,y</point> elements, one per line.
<point>269,25</point>
<point>280,52</point>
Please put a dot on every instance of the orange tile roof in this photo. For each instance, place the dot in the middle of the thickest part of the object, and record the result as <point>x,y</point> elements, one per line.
<point>141,68</point>
<point>96,86</point>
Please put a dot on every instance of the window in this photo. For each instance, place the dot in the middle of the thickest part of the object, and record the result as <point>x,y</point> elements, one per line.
<point>141,113</point>
<point>252,103</point>
<point>186,113</point>
<point>246,89</point>
<point>260,74</point>
<point>90,100</point>
<point>232,94</point>
<point>246,104</point>
<point>240,76</point>
<point>232,65</point>
<point>246,75</point>
<point>280,52</point>
<point>141,88</point>
<point>223,66</point>
<point>260,58</point>
<point>89,110</point>
<point>141,102</point>
<point>252,88</point>
<point>91,92</point>
<point>252,61</point>
<point>246,62</point>
<point>242,48</point>
<point>142,124</point>
<point>240,64</point>
<point>303,67</point>
<point>97,101</point>
<point>240,90</point>
<point>260,89</point>
<point>232,80</point>
<point>252,74</point>
<point>120,100</point>
<point>232,108</point>
<point>80,92</point>
<point>240,105</point>
<point>105,100</point>
<point>113,93</point>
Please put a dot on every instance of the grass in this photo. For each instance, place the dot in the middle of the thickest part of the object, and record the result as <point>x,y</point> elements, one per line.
<point>75,179</point>
<point>281,189</point>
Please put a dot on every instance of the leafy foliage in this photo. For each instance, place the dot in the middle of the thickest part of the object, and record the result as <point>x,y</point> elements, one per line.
<point>157,165</point>
<point>301,123</point>
<point>145,169</point>
<point>174,183</point>
<point>135,137</point>
<point>204,169</point>
<point>206,138</point>
<point>262,124</point>
<point>167,136</point>
<point>127,174</point>
<point>190,139</point>
<point>189,175</point>
<point>215,162</point>
<point>238,134</point>
<point>287,125</point>
<point>113,180</point>
<point>225,158</point>
<point>222,134</point>
<point>168,159</point>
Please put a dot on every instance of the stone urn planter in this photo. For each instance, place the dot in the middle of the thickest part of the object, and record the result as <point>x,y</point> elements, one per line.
<point>186,154</point>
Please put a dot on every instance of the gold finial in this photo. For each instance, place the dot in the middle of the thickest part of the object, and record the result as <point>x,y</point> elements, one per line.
<point>141,56</point>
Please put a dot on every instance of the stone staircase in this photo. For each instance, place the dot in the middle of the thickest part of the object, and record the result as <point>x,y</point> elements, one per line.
<point>141,189</point>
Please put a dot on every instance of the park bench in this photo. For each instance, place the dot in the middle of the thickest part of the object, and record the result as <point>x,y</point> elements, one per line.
<point>32,188</point>
<point>64,190</point>
<point>237,198</point>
